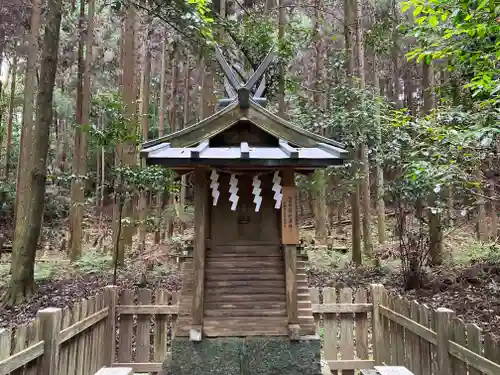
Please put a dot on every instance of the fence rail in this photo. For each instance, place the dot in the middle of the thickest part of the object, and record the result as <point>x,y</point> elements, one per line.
<point>359,329</point>
<point>429,341</point>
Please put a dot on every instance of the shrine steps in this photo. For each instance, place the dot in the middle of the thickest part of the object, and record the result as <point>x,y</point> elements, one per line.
<point>245,294</point>
<point>244,291</point>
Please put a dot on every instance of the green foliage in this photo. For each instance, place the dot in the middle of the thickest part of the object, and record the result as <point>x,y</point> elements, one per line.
<point>136,178</point>
<point>432,154</point>
<point>191,18</point>
<point>256,33</point>
<point>119,127</point>
<point>119,130</point>
<point>477,252</point>
<point>466,34</point>
<point>44,271</point>
<point>56,206</point>
<point>4,273</point>
<point>93,261</point>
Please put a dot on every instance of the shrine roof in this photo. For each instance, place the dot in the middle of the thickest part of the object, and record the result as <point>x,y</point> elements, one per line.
<point>191,146</point>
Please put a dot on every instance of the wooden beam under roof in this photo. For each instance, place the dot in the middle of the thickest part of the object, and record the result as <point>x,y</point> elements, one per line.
<point>161,146</point>
<point>195,153</point>
<point>338,152</point>
<point>290,151</point>
<point>244,150</point>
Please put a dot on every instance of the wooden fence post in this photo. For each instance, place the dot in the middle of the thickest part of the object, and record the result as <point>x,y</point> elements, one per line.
<point>443,330</point>
<point>49,328</point>
<point>110,297</point>
<point>377,292</point>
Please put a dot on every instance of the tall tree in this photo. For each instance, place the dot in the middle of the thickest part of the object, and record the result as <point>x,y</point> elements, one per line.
<point>144,111</point>
<point>26,236</point>
<point>163,73</point>
<point>319,178</point>
<point>365,161</point>
<point>12,103</point>
<point>82,118</point>
<point>28,105</point>
<point>125,153</point>
<point>349,31</point>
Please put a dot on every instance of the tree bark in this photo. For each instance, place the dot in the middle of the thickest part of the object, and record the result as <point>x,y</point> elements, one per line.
<point>26,236</point>
<point>481,208</point>
<point>365,161</point>
<point>26,145</point>
<point>8,144</point>
<point>435,219</point>
<point>396,91</point>
<point>125,153</point>
<point>145,98</point>
<point>185,120</point>
<point>173,90</point>
<point>161,121</point>
<point>83,118</point>
<point>320,181</point>
<point>349,30</point>
<point>281,83</point>
<point>379,170</point>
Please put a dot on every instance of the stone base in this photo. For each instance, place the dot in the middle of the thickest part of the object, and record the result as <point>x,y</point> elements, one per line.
<point>245,356</point>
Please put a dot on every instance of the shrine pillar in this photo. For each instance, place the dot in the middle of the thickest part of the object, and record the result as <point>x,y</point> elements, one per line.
<point>290,240</point>
<point>200,236</point>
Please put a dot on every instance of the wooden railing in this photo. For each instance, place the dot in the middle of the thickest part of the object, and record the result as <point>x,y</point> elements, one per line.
<point>343,323</point>
<point>153,327</point>
<point>59,341</point>
<point>358,328</point>
<point>429,341</point>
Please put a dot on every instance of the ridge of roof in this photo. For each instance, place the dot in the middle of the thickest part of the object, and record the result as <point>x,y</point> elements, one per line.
<point>230,115</point>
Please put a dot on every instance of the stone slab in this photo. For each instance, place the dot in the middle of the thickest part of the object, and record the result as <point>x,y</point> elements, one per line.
<point>206,357</point>
<point>280,356</point>
<point>245,356</point>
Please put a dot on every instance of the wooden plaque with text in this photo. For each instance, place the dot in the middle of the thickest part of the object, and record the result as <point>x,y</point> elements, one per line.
<point>289,220</point>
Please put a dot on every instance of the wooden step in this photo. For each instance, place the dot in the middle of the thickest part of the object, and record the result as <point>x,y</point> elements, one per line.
<point>233,268</point>
<point>248,284</point>
<point>237,305</point>
<point>262,254</point>
<point>210,275</point>
<point>276,297</point>
<point>245,312</point>
<point>244,248</point>
<point>305,312</point>
<point>304,304</point>
<point>261,289</point>
<point>263,259</point>
<point>245,326</point>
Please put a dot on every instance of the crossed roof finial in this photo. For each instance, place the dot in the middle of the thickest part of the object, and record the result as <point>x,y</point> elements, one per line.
<point>235,90</point>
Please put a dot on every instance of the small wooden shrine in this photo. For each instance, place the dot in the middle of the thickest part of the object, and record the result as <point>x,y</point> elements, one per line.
<point>245,277</point>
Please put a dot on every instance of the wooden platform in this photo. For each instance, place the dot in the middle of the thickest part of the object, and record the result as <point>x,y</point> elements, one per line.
<point>244,294</point>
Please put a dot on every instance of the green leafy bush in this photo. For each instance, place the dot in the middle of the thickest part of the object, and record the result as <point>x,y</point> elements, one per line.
<point>94,262</point>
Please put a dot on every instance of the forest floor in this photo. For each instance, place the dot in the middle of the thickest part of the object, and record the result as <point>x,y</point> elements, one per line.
<point>468,283</point>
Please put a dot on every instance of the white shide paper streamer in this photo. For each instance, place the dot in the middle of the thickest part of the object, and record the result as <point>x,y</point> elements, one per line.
<point>277,189</point>
<point>256,192</point>
<point>233,189</point>
<point>214,185</point>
